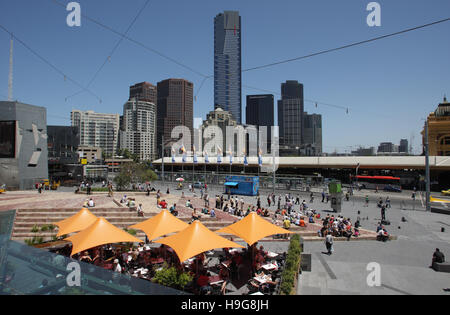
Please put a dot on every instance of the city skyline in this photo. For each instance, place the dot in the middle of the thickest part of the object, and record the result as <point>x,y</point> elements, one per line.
<point>386,96</point>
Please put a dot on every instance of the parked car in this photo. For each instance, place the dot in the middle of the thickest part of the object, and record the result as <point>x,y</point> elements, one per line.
<point>392,188</point>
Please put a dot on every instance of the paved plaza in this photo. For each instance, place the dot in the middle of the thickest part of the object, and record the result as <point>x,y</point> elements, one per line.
<point>404,262</point>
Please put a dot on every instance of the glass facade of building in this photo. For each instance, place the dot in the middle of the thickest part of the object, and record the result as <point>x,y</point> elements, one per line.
<point>228,63</point>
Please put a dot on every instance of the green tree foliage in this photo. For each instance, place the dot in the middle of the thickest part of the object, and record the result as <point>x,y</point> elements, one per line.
<point>292,265</point>
<point>171,278</point>
<point>134,173</point>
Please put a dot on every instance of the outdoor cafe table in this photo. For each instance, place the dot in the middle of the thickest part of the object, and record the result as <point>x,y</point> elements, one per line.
<point>269,267</point>
<point>262,280</point>
<point>272,255</point>
<point>215,280</point>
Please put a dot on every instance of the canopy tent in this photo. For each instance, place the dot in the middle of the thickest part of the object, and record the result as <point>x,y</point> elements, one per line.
<point>161,224</point>
<point>253,228</point>
<point>101,232</point>
<point>76,223</point>
<point>194,240</point>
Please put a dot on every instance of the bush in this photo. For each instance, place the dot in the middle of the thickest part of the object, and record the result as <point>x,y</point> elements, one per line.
<point>35,229</point>
<point>292,265</point>
<point>171,278</point>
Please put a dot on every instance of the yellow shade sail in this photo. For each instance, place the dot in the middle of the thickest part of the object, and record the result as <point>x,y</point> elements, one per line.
<point>162,224</point>
<point>194,240</point>
<point>101,232</point>
<point>253,228</point>
<point>76,223</point>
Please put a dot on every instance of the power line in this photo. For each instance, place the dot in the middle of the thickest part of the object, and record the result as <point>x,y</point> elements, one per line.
<point>66,77</point>
<point>306,100</point>
<point>347,46</point>
<point>108,58</point>
<point>136,42</point>
<point>347,109</point>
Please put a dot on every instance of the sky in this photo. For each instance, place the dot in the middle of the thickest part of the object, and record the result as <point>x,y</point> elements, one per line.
<point>390,86</point>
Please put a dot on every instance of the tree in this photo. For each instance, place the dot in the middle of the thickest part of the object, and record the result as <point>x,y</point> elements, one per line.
<point>134,173</point>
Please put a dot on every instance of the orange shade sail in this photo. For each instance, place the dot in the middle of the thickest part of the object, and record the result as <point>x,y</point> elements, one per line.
<point>194,240</point>
<point>101,232</point>
<point>161,224</point>
<point>253,228</point>
<point>76,223</point>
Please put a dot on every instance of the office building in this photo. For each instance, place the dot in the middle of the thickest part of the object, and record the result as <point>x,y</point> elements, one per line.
<point>403,147</point>
<point>90,155</point>
<point>439,130</point>
<point>387,147</point>
<point>144,91</point>
<point>23,145</point>
<point>260,113</point>
<point>291,115</point>
<point>221,119</point>
<point>175,108</point>
<point>62,143</point>
<point>97,130</point>
<point>139,129</point>
<point>228,64</point>
<point>364,151</point>
<point>312,139</point>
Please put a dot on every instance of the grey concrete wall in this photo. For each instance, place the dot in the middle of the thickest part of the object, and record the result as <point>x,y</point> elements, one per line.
<point>31,162</point>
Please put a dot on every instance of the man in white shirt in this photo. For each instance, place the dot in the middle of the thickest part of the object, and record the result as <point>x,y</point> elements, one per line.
<point>117,266</point>
<point>91,203</point>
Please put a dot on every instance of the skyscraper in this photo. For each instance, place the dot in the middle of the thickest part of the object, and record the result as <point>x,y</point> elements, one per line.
<point>175,108</point>
<point>312,127</point>
<point>139,129</point>
<point>228,64</point>
<point>144,91</point>
<point>291,114</point>
<point>260,113</point>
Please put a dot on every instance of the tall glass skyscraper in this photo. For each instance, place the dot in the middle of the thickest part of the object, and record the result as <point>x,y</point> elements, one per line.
<point>228,64</point>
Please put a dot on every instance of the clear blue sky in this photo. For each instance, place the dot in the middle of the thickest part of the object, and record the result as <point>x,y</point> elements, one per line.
<point>389,85</point>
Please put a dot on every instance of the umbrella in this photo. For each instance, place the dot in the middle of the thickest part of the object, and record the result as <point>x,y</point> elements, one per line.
<point>101,232</point>
<point>253,228</point>
<point>194,240</point>
<point>180,179</point>
<point>161,224</point>
<point>76,223</point>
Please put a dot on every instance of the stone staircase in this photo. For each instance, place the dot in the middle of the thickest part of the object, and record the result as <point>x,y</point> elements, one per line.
<point>120,217</point>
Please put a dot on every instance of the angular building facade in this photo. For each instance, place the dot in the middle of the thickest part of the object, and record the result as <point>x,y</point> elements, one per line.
<point>228,63</point>
<point>175,108</point>
<point>23,145</point>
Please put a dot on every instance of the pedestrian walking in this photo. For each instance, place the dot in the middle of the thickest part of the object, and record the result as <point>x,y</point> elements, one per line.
<point>367,201</point>
<point>383,213</point>
<point>329,243</point>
